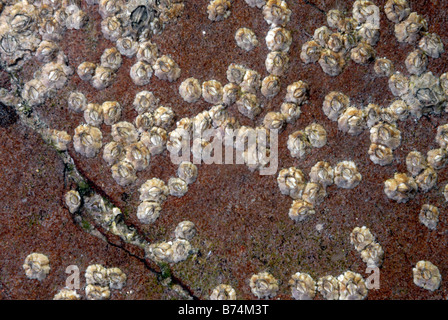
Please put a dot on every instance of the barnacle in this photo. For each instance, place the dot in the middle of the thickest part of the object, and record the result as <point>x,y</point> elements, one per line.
<point>111,112</point>
<point>145,101</point>
<point>47,51</point>
<point>427,179</point>
<point>102,78</point>
<point>416,62</point>
<point>311,51</point>
<point>398,84</point>
<point>93,114</point>
<point>291,181</point>
<point>276,12</point>
<point>111,58</point>
<point>165,68</point>
<point>427,275</point>
<point>113,152</point>
<point>331,62</point>
<point>163,117</point>
<point>429,216</point>
<point>187,171</point>
<point>138,155</point>
<point>352,286</point>
<point>190,90</point>
<point>36,266</point>
<point>363,53</point>
<point>335,104</point>
<point>409,30</point>
<point>76,18</point>
<point>277,62</point>
<point>328,287</point>
<point>87,140</point>
<point>442,136</point>
<point>368,34</point>
<point>58,139</point>
<point>316,134</point>
<point>246,39</point>
<point>218,115</point>
<point>314,193</point>
<point>201,122</point>
<point>178,139</point>
<point>385,134</point>
<point>55,75</point>
<point>218,10</point>
<point>346,175</point>
<point>95,292</point>
<point>77,101</point>
<point>72,200</point>
<point>181,250</point>
<point>334,18</point>
<point>116,277</point>
<point>297,92</point>
<point>321,36</point>
<point>86,70</point>
<point>184,124</point>
<point>360,238</point>
<point>426,95</point>
<point>212,91</point>
<point>335,43</point>
<point>155,140</point>
<point>141,73</point>
<point>352,121</point>
<point>66,294</point>
<point>432,45</point>
<point>148,52</point>
<point>35,92</point>
<point>298,144</point>
<point>372,255</point>
<point>177,186</point>
<point>109,8</point>
<point>185,230</point>
<point>144,122</point>
<point>148,211</point>
<point>290,111</point>
<point>249,105</point>
<point>231,91</point>
<point>154,190</point>
<point>397,10</point>
<point>124,132</point>
<point>278,39</point>
<point>224,291</point>
<point>380,154</point>
<point>256,3</point>
<point>445,192</point>
<point>251,81</point>
<point>383,67</point>
<point>263,285</point>
<point>123,173</point>
<point>303,287</point>
<point>398,110</point>
<point>127,46</point>
<point>235,73</point>
<point>372,114</point>
<point>274,121</point>
<point>437,158</point>
<point>322,173</point>
<point>301,210</point>
<point>96,274</point>
<point>366,11</point>
<point>111,28</point>
<point>400,188</point>
<point>160,252</point>
<point>415,163</point>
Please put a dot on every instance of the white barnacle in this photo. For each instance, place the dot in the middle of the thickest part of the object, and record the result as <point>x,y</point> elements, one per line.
<point>352,121</point>
<point>246,39</point>
<point>36,266</point>
<point>181,250</point>
<point>322,173</point>
<point>263,285</point>
<point>363,53</point>
<point>54,75</point>
<point>223,291</point>
<point>429,216</point>
<point>321,36</point>
<point>148,211</point>
<point>427,275</point>
<point>398,110</point>
<point>109,8</point>
<point>332,63</point>
<point>47,51</point>
<point>148,52</point>
<point>298,144</point>
<point>251,81</point>
<point>87,140</point>
<point>427,179</point>
<point>415,163</point>
<point>270,86</point>
<point>177,186</point>
<point>276,12</point>
<point>187,171</point>
<point>201,122</point>
<point>397,10</point>
<point>190,90</point>
<point>113,152</point>
<point>235,73</point>
<point>301,210</point>
<point>154,190</point>
<point>218,115</point>
<point>328,287</point>
<point>366,11</point>
<point>384,67</point>
<point>231,92</point>
<point>184,124</point>
<point>86,70</point>
<point>163,117</point>
<point>155,140</point>
<point>442,136</point>
<point>123,173</point>
<point>334,18</point>
<point>426,95</point>
<point>360,238</point>
<point>35,92</point>
<point>352,286</point>
<point>409,30</point>
<point>311,51</point>
<point>335,104</point>
<point>278,39</point>
<point>367,33</point>
<point>219,10</point>
<point>297,92</point>
<point>66,294</point>
<point>165,68</point>
<point>95,292</point>
<point>102,78</point>
<point>385,134</point>
<point>303,287</point>
<point>212,92</point>
<point>111,28</point>
<point>316,134</point>
<point>145,101</point>
<point>138,155</point>
<point>96,274</point>
<point>72,200</point>
<point>141,73</point>
<point>416,62</point>
<point>336,43</point>
<point>399,84</point>
<point>116,277</point>
<point>346,175</point>
<point>274,121</point>
<point>290,111</point>
<point>144,122</point>
<point>76,18</point>
<point>314,193</point>
<point>249,105</point>
<point>372,114</point>
<point>431,45</point>
<point>437,158</point>
<point>380,154</point>
<point>124,132</point>
<point>77,101</point>
<point>127,46</point>
<point>58,139</point>
<point>93,114</point>
<point>291,181</point>
<point>160,252</point>
<point>373,255</point>
<point>111,58</point>
<point>111,112</point>
<point>185,230</point>
<point>400,188</point>
<point>277,62</point>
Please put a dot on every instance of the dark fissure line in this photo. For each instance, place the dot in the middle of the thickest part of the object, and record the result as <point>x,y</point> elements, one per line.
<point>314,6</point>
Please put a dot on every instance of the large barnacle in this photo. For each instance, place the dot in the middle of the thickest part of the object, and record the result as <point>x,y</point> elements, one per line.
<point>109,8</point>
<point>385,134</point>
<point>36,266</point>
<point>111,59</point>
<point>148,211</point>
<point>111,112</point>
<point>35,92</point>
<point>303,287</point>
<point>426,95</point>
<point>316,134</point>
<point>141,73</point>
<point>398,110</point>
<point>185,230</point>
<point>311,51</point>
<point>416,62</point>
<point>163,117</point>
<point>177,186</point>
<point>154,190</point>
<point>111,28</point>
<point>235,73</point>
<point>372,255</point>
<point>123,173</point>
<point>224,291</point>
<point>72,200</point>
<point>187,171</point>
<point>297,92</point>
<point>314,193</point>
<point>276,12</point>
<point>201,122</point>
<point>145,101</point>
<point>116,278</point>
<point>429,216</point>
<point>231,91</point>
<point>124,132</point>
<point>263,285</point>
<point>291,181</point>
<point>298,144</point>
<point>278,39</point>
<point>335,104</point>
<point>368,34</point>
<point>86,70</point>
<point>160,252</point>
<point>352,121</point>
<point>352,286</point>
<point>400,188</point>
<point>147,52</point>
<point>346,175</point>
<point>366,11</point>
<point>155,140</point>
<point>432,45</point>
<point>372,114</point>
<point>380,154</point>
<point>165,68</point>
<point>415,163</point>
<point>144,122</point>
<point>77,101</point>
<point>301,210</point>
<point>290,111</point>
<point>363,53</point>
<point>277,62</point>
<point>138,155</point>
<point>218,10</point>
<point>399,84</point>
<point>427,275</point>
<point>442,136</point>
<point>360,238</point>
<point>251,82</point>
<point>410,29</point>
<point>274,121</point>
<point>76,18</point>
<point>328,287</point>
<point>113,152</point>
<point>190,90</point>
<point>335,43</point>
<point>87,140</point>
<point>93,114</point>
<point>437,158</point>
<point>95,292</point>
<point>249,105</point>
<point>127,46</point>
<point>246,39</point>
<point>181,250</point>
<point>218,115</point>
<point>427,179</point>
<point>331,62</point>
<point>322,173</point>
<point>102,78</point>
<point>321,36</point>
<point>55,75</point>
<point>66,294</point>
<point>96,274</point>
<point>383,67</point>
<point>397,10</point>
<point>47,51</point>
<point>335,18</point>
<point>212,91</point>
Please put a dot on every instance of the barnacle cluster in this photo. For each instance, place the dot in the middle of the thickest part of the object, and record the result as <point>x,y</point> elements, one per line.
<point>347,286</point>
<point>101,280</point>
<point>301,142</point>
<point>364,242</point>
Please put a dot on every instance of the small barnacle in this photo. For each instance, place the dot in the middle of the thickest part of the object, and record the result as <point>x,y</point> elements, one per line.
<point>111,28</point>
<point>109,8</point>
<point>163,117</point>
<point>416,62</point>
<point>366,11</point>
<point>187,171</point>
<point>399,84</point>
<point>127,46</point>
<point>311,51</point>
<point>178,140</point>
<point>55,75</point>
<point>335,43</point>
<point>111,112</point>
<point>165,68</point>
<point>190,90</point>
<point>181,250</point>
<point>372,114</point>
<point>96,274</point>
<point>160,252</point>
<point>316,134</point>
<point>427,179</point>
<point>297,92</point>
<point>322,35</point>
<point>123,173</point>
<point>399,110</point>
<point>251,82</point>
<point>94,292</point>
<point>331,62</point>
<point>144,122</point>
<point>185,230</point>
<point>346,175</point>
<point>352,286</point>
<point>249,105</point>
<point>263,285</point>
<point>301,210</point>
<point>145,101</point>
<point>427,275</point>
<point>35,92</point>
<point>138,155</point>
<point>431,45</point>
<point>116,277</point>
<point>113,152</point>
<point>437,158</point>
<point>87,140</point>
<point>274,121</point>
<point>76,18</point>
<point>429,216</point>
<point>397,10</point>
<point>278,39</point>
<point>224,291</point>
<point>212,91</point>
<point>141,73</point>
<point>380,154</point>
<point>360,238</point>
<point>218,115</point>
<point>298,144</point>
<point>372,255</point>
<point>111,58</point>
<point>335,104</point>
<point>148,211</point>
<point>367,33</point>
<point>72,200</point>
<point>415,163</point>
<point>290,111</point>
<point>147,52</point>
<point>335,18</point>
<point>383,67</point>
<point>218,10</point>
<point>102,78</point>
<point>277,62</point>
<point>231,91</point>
<point>235,73</point>
<point>246,39</point>
<point>47,51</point>
<point>276,12</point>
<point>201,122</point>
<point>177,186</point>
<point>124,132</point>
<point>303,287</point>
<point>36,266</point>
<point>410,29</point>
<point>363,53</point>
<point>322,173</point>
<point>328,287</point>
<point>77,101</point>
<point>400,188</point>
<point>314,193</point>
<point>385,134</point>
<point>352,121</point>
<point>442,136</point>
<point>291,181</point>
<point>86,70</point>
<point>93,114</point>
<point>155,140</point>
<point>66,294</point>
<point>154,190</point>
